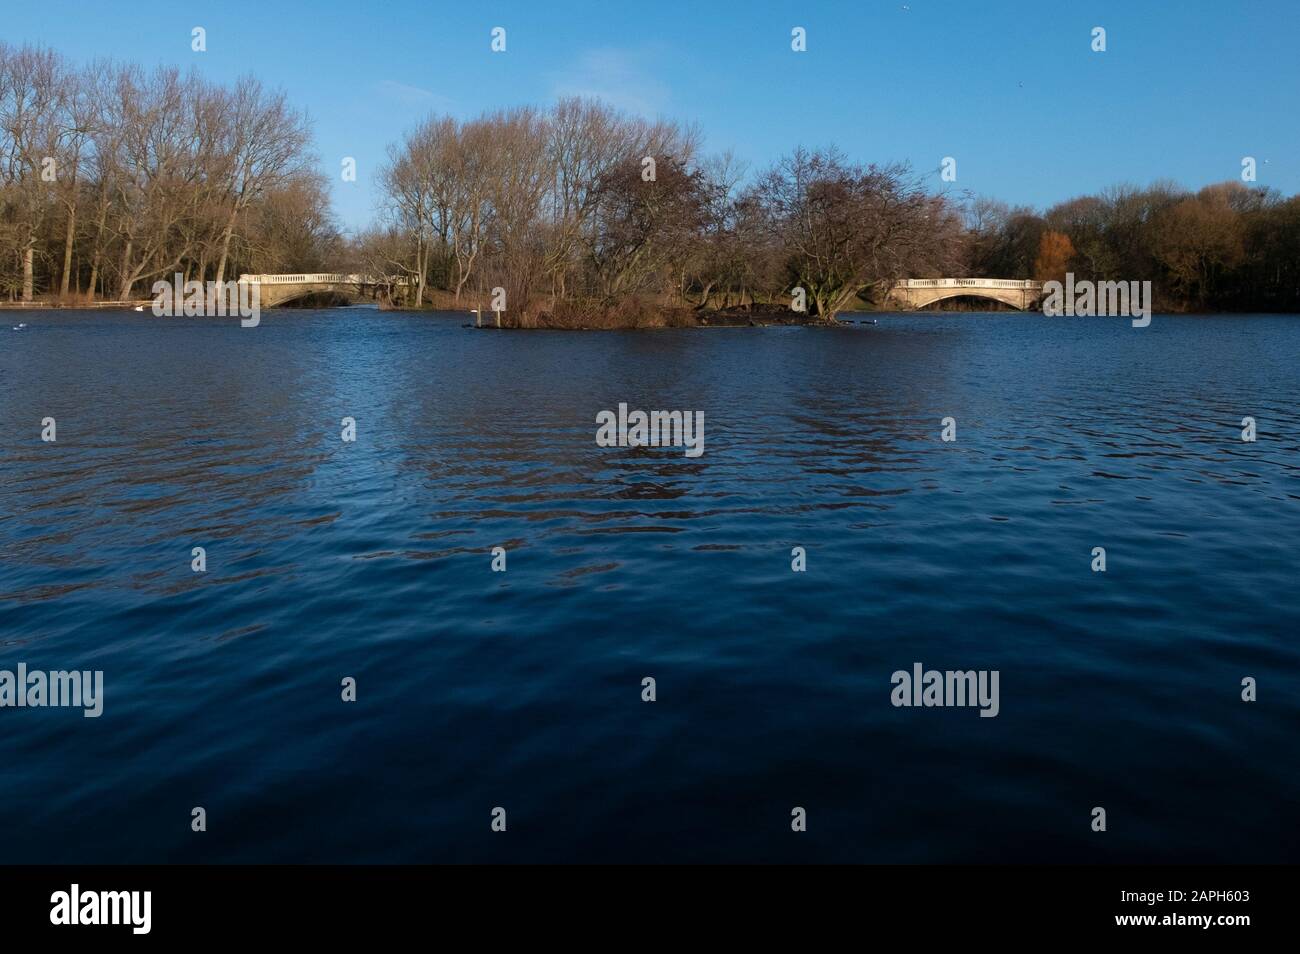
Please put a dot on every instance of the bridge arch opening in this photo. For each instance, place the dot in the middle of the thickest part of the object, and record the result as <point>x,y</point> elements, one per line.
<point>967,301</point>
<point>318,299</point>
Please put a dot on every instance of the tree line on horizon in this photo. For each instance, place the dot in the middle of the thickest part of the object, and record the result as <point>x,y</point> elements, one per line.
<point>557,208</point>
<point>112,177</point>
<point>1227,246</point>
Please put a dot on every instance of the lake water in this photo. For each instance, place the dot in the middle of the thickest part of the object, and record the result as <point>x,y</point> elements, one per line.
<point>479,689</point>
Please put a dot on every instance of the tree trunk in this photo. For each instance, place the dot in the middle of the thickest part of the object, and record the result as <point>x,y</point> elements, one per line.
<point>27,273</point>
<point>823,308</point>
<point>225,244</point>
<point>67,251</point>
<point>99,241</point>
<point>704,299</point>
<point>420,263</point>
<point>124,287</point>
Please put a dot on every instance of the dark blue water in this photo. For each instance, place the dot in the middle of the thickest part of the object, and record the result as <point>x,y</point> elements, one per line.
<point>523,689</point>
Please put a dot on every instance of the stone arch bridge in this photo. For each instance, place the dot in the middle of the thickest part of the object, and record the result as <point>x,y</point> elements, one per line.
<point>278,289</point>
<point>914,293</point>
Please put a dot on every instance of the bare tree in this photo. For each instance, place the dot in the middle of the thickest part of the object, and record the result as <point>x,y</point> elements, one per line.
<point>851,230</point>
<point>263,145</point>
<point>422,188</point>
<point>31,89</point>
<point>644,226</point>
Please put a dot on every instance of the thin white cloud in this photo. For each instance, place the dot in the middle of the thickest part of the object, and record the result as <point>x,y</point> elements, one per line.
<point>413,95</point>
<point>620,77</point>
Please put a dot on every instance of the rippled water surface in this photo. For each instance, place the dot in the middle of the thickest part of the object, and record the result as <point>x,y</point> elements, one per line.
<point>523,689</point>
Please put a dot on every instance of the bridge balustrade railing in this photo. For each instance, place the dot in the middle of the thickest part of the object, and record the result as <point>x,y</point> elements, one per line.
<point>967,283</point>
<point>319,279</point>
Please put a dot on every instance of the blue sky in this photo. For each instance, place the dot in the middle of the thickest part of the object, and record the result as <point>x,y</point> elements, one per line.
<point>1010,88</point>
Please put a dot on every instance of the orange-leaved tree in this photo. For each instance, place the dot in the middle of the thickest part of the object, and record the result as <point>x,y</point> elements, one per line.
<point>1054,253</point>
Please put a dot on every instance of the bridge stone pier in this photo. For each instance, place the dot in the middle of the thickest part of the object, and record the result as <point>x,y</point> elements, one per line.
<point>278,289</point>
<point>914,293</point>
